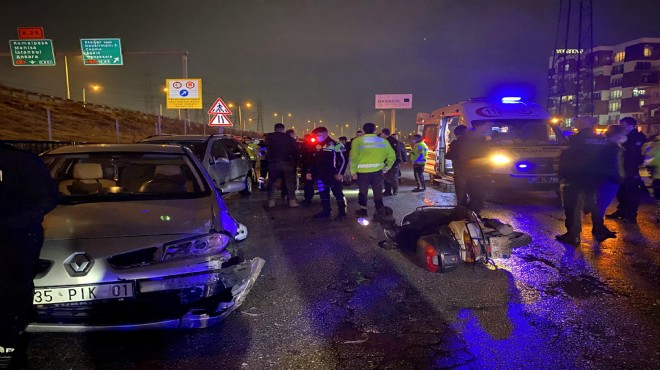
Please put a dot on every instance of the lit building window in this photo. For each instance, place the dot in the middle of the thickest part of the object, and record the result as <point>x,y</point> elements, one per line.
<point>639,92</point>
<point>641,103</point>
<point>615,94</point>
<point>620,56</point>
<point>615,106</point>
<point>648,50</point>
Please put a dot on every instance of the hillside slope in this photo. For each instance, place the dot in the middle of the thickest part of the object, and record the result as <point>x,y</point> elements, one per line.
<point>23,116</point>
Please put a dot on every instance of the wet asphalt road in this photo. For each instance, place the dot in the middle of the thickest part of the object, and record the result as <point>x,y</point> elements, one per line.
<point>330,298</point>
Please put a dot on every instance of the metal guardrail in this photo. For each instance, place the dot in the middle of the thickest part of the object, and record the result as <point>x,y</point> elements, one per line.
<point>39,147</point>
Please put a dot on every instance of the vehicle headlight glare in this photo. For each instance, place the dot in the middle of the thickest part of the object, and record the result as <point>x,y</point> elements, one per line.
<point>197,246</point>
<point>500,159</point>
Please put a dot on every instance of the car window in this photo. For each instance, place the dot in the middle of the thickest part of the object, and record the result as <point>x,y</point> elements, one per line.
<point>218,150</point>
<point>106,176</point>
<point>233,148</point>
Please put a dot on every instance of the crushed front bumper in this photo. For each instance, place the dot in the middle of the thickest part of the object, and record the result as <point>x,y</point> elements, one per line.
<point>185,301</point>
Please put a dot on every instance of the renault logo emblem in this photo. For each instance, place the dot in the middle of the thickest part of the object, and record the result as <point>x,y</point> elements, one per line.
<point>78,264</point>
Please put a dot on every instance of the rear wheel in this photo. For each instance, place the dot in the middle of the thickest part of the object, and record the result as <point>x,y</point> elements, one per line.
<point>248,185</point>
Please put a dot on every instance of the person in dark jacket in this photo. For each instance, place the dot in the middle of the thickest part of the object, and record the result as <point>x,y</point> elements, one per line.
<point>392,176</point>
<point>328,166</point>
<point>583,170</point>
<point>282,153</point>
<point>474,159</point>
<point>456,154</point>
<point>307,149</point>
<point>27,193</point>
<point>628,194</point>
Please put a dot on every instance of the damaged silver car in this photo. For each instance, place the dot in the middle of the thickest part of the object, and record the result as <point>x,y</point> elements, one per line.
<point>140,240</point>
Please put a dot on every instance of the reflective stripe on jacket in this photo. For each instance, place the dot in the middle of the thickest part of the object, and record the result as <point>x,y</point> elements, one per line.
<point>419,153</point>
<point>370,153</point>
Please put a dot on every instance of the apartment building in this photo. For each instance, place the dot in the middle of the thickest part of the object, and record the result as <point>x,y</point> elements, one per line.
<point>609,82</point>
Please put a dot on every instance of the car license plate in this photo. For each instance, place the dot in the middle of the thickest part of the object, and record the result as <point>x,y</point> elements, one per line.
<point>82,293</point>
<point>544,180</point>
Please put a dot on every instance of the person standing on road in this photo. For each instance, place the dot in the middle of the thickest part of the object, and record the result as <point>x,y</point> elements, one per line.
<point>653,164</point>
<point>27,193</point>
<point>419,153</point>
<point>263,163</point>
<point>307,149</point>
<point>370,156</point>
<point>347,175</point>
<point>455,153</point>
<point>475,160</point>
<point>583,169</point>
<point>628,194</point>
<point>392,176</point>
<point>282,155</point>
<point>328,166</point>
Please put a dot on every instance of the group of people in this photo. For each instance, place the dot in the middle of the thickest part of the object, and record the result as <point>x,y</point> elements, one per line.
<point>595,170</point>
<point>374,159</point>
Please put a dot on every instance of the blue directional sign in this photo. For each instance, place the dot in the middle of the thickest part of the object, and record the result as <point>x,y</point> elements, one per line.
<point>183,92</point>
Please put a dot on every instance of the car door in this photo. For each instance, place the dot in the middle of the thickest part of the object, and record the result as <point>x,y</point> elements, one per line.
<point>237,169</point>
<point>219,163</point>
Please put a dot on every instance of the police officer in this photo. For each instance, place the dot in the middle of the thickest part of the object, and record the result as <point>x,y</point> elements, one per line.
<point>328,166</point>
<point>27,193</point>
<point>419,153</point>
<point>582,168</point>
<point>370,156</point>
<point>628,194</point>
<point>307,149</point>
<point>392,176</point>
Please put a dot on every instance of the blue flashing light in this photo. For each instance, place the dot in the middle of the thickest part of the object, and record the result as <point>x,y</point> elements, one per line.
<point>511,99</point>
<point>524,166</point>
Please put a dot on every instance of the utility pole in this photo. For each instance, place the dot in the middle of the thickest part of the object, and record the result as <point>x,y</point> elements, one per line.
<point>260,116</point>
<point>358,118</point>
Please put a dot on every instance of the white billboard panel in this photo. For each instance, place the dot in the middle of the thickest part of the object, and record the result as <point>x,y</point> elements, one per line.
<point>394,101</point>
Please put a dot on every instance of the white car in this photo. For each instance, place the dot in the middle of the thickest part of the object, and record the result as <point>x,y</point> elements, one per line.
<point>225,158</point>
<point>140,240</point>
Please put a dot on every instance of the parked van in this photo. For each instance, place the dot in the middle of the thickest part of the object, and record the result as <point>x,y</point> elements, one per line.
<point>525,144</point>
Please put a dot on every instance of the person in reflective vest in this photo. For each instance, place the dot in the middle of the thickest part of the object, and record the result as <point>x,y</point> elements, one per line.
<point>370,157</point>
<point>419,153</point>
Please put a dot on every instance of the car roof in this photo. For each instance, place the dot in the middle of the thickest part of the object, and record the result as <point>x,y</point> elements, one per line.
<point>87,148</point>
<point>184,137</point>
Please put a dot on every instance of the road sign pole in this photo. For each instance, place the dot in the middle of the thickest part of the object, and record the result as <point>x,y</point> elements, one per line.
<point>117,128</point>
<point>392,122</point>
<point>50,125</point>
<point>184,66</point>
<point>66,74</point>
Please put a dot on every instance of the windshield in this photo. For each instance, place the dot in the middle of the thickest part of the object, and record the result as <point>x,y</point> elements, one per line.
<point>125,176</point>
<point>525,132</point>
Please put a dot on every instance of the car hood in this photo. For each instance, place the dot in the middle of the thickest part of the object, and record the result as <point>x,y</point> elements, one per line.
<point>131,218</point>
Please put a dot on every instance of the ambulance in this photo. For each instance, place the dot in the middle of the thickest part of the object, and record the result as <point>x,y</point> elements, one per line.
<point>525,145</point>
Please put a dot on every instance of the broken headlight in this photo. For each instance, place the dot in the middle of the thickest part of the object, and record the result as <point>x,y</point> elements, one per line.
<point>194,247</point>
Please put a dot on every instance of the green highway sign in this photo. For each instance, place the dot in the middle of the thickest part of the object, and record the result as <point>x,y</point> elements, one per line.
<point>28,53</point>
<point>101,52</point>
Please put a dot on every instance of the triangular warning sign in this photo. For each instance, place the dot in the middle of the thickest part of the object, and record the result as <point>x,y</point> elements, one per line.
<point>219,107</point>
<point>220,120</point>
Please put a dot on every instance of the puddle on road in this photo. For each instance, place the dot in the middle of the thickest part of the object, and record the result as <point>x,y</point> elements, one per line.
<point>582,286</point>
<point>530,258</point>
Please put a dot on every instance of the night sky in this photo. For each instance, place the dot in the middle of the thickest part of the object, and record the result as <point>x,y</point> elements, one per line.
<point>318,60</point>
